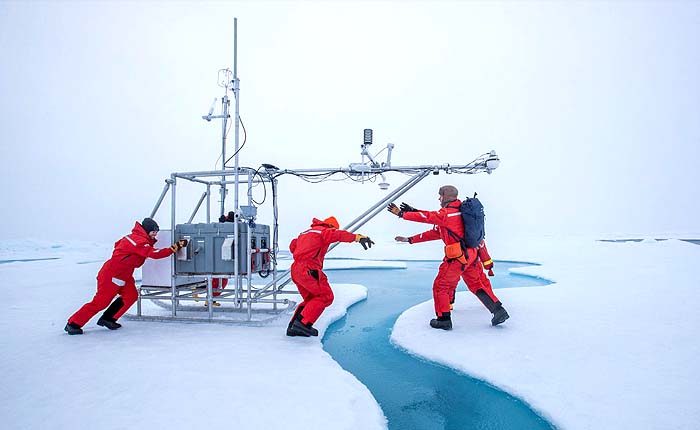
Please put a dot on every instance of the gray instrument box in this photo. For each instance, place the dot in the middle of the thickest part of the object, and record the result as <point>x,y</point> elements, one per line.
<point>212,248</point>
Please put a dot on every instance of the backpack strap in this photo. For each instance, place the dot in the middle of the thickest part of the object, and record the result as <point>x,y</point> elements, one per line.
<point>456,236</point>
<point>461,240</point>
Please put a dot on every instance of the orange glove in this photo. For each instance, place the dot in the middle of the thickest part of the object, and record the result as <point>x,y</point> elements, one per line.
<point>179,244</point>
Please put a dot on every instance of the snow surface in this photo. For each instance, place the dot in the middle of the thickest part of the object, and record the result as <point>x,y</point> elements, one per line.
<point>150,375</point>
<point>611,344</point>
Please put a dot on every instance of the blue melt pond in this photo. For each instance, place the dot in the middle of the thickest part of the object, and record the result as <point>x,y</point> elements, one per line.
<point>413,393</point>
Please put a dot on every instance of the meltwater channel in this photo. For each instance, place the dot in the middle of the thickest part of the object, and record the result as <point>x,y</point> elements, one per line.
<point>415,394</point>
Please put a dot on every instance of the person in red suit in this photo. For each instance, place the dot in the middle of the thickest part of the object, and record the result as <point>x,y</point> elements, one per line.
<point>480,286</point>
<point>216,291</point>
<point>116,277</point>
<point>448,226</point>
<point>309,250</point>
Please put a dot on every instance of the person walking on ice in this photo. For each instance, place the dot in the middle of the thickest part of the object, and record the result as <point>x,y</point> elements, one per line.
<point>448,225</point>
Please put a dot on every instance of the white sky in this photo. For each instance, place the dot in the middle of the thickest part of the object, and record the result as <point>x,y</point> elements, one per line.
<point>593,108</point>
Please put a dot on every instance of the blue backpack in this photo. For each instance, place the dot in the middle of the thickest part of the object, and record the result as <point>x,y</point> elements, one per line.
<point>473,217</point>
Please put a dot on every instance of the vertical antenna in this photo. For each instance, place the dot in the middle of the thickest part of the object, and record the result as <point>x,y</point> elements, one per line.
<point>228,81</point>
<point>225,115</point>
<point>236,90</point>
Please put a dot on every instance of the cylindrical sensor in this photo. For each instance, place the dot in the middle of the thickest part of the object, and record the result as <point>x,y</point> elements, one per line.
<point>368,136</point>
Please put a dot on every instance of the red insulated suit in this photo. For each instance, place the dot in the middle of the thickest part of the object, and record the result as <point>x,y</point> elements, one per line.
<point>309,249</point>
<point>447,218</point>
<point>117,274</point>
<point>474,276</point>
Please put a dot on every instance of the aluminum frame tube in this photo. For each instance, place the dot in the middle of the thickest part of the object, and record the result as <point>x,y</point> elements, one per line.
<point>377,207</point>
<point>224,103</point>
<point>208,203</point>
<point>236,96</point>
<point>196,209</point>
<point>236,273</point>
<point>249,253</point>
<point>173,283</point>
<point>249,277</point>
<point>477,166</point>
<point>194,179</point>
<point>398,192</point>
<point>372,212</point>
<point>192,176</point>
<point>160,199</point>
<point>210,297</point>
<point>275,239</point>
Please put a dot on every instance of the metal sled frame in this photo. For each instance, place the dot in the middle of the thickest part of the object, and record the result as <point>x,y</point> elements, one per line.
<point>246,303</point>
<point>251,304</point>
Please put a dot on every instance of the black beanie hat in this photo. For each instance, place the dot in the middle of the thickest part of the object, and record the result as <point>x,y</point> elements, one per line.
<point>149,225</point>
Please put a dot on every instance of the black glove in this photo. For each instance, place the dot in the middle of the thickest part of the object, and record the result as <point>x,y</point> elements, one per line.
<point>407,208</point>
<point>365,241</point>
<point>183,243</point>
<point>395,210</point>
<point>231,217</point>
<point>222,218</point>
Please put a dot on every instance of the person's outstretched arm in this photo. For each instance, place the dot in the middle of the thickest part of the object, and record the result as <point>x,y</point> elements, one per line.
<point>428,217</point>
<point>426,236</point>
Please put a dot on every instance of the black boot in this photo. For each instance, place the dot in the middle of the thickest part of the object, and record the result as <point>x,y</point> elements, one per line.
<point>297,314</point>
<point>313,330</point>
<point>444,322</point>
<point>486,300</point>
<point>112,310</point>
<point>110,323</point>
<point>73,328</point>
<point>300,329</point>
<point>500,315</point>
<point>496,308</point>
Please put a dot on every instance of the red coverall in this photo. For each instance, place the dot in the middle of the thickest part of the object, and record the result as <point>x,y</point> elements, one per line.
<point>117,274</point>
<point>474,276</point>
<point>215,284</point>
<point>309,250</point>
<point>450,270</point>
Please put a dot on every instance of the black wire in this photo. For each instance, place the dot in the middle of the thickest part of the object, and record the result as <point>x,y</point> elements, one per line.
<point>262,180</point>
<point>316,178</point>
<point>245,138</point>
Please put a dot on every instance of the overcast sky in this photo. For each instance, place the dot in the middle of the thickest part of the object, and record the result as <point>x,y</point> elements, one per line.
<point>593,107</point>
